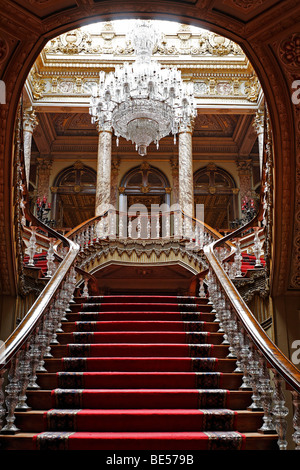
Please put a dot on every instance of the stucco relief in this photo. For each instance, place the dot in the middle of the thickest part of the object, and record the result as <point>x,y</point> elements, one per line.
<point>247,4</point>
<point>290,50</point>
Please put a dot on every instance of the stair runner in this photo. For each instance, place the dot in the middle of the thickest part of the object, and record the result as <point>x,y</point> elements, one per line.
<point>141,373</point>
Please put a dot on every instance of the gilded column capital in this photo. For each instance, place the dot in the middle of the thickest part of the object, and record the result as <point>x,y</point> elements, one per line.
<point>258,122</point>
<point>30,121</point>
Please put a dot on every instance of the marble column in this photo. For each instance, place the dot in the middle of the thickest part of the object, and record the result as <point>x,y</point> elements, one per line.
<point>115,166</point>
<point>185,171</point>
<point>175,179</point>
<point>44,170</point>
<point>259,127</point>
<point>30,122</point>
<point>103,188</point>
<point>245,176</point>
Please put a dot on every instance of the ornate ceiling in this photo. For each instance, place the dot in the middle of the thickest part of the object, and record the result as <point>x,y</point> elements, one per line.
<point>226,87</point>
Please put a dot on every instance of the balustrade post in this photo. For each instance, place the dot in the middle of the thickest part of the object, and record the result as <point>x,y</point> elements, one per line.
<point>254,373</point>
<point>34,360</point>
<point>244,354</point>
<point>201,289</point>
<point>231,331</point>
<point>266,393</point>
<point>24,368</point>
<point>237,348</point>
<point>280,411</point>
<point>296,419</point>
<point>2,398</point>
<point>43,342</point>
<point>85,292</point>
<point>31,249</point>
<point>50,259</point>
<point>257,249</point>
<point>12,395</point>
<point>49,329</point>
<point>238,259</point>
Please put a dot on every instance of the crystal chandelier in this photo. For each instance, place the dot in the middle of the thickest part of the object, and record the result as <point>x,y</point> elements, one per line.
<point>143,102</point>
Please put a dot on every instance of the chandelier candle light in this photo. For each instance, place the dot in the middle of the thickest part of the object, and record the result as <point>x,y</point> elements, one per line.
<point>143,102</point>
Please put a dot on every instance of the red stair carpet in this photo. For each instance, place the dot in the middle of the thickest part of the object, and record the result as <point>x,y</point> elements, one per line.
<point>140,373</point>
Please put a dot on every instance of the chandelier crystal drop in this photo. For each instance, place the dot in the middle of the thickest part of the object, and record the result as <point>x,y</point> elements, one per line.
<point>143,102</point>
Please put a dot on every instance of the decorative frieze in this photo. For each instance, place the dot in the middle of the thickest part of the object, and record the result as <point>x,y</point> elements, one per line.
<point>69,65</point>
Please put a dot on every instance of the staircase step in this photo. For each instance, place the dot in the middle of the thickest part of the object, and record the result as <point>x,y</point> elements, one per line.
<point>142,299</point>
<point>140,350</point>
<point>139,364</point>
<point>145,398</point>
<point>141,316</point>
<point>140,325</point>
<point>141,420</point>
<point>140,307</point>
<point>141,441</point>
<point>139,380</point>
<point>113,337</point>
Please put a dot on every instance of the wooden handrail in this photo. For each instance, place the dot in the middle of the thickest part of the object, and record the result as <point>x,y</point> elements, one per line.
<point>270,351</point>
<point>273,355</point>
<point>23,331</point>
<point>30,321</point>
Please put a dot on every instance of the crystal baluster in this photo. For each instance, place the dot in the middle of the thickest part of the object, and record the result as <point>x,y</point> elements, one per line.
<point>2,398</point>
<point>254,372</point>
<point>296,419</point>
<point>34,360</point>
<point>12,391</point>
<point>266,393</point>
<point>50,259</point>
<point>24,374</point>
<point>31,249</point>
<point>280,411</point>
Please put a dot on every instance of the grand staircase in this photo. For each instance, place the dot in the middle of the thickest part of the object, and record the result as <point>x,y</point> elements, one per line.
<point>134,372</point>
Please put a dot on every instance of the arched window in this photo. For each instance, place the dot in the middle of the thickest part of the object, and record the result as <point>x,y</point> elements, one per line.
<point>216,189</point>
<point>74,195</point>
<point>145,185</point>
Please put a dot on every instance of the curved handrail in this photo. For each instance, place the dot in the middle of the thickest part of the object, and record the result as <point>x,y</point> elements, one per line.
<point>23,331</point>
<point>31,319</point>
<point>271,352</point>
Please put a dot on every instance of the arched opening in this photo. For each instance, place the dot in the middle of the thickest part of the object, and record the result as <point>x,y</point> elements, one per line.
<point>216,189</point>
<point>73,196</point>
<point>145,185</point>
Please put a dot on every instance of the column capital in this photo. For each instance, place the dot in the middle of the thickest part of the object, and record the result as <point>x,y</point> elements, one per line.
<point>258,122</point>
<point>187,126</point>
<point>104,127</point>
<point>30,120</point>
<point>244,167</point>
